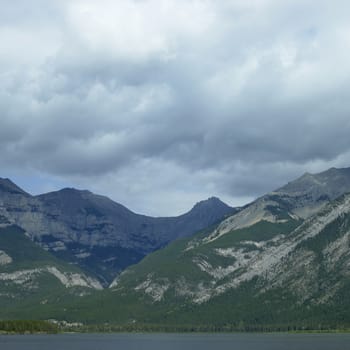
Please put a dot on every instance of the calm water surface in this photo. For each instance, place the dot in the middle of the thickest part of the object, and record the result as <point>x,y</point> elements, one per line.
<point>177,342</point>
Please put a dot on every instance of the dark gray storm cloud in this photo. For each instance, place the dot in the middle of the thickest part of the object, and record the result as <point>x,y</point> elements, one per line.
<point>159,104</point>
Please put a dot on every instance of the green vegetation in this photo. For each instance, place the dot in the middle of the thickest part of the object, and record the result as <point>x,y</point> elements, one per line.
<point>256,304</point>
<point>25,253</point>
<point>41,295</point>
<point>27,326</point>
<point>261,231</point>
<point>126,307</point>
<point>237,310</point>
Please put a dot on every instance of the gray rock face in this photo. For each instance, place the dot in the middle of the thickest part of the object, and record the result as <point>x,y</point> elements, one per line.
<point>307,194</point>
<point>7,186</point>
<point>331,183</point>
<point>310,262</point>
<point>299,199</point>
<point>95,220</point>
<point>99,235</point>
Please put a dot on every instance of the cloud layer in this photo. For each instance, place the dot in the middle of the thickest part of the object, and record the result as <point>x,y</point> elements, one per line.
<point>160,103</point>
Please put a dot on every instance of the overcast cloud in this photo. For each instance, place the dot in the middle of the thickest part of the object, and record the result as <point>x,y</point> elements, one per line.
<point>161,103</point>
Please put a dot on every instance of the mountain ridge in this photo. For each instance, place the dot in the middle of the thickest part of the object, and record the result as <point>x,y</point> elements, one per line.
<point>102,236</point>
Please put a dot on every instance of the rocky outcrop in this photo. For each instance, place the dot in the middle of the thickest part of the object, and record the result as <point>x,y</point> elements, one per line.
<point>299,199</point>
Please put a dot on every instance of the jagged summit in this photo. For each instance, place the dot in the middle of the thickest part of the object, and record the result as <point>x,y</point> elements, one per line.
<point>210,208</point>
<point>211,202</point>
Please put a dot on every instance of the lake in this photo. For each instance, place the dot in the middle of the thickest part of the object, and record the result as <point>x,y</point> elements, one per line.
<point>241,341</point>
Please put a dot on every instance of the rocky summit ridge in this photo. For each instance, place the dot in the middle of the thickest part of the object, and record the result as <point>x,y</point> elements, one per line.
<point>92,231</point>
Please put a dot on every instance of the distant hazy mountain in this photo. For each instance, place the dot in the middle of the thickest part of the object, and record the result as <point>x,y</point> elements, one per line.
<point>99,235</point>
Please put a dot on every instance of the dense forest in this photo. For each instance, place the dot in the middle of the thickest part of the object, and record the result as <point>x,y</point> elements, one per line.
<point>27,326</point>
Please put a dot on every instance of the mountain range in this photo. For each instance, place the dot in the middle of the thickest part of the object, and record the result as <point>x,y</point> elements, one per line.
<point>96,233</point>
<point>281,261</point>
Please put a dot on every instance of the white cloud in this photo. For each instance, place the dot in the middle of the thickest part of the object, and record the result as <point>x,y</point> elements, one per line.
<point>162,103</point>
<point>138,30</point>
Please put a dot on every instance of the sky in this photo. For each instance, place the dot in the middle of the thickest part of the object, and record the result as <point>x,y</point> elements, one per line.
<point>159,104</point>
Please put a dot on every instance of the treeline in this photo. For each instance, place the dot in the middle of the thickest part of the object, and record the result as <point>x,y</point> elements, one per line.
<point>31,327</point>
<point>111,328</point>
<point>27,326</point>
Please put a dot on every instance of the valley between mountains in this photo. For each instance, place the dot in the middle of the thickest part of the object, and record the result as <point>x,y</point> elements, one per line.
<point>280,262</point>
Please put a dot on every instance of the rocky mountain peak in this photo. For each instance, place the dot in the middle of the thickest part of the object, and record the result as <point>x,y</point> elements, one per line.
<point>330,183</point>
<point>300,198</point>
<point>67,192</point>
<point>211,202</point>
<point>210,206</point>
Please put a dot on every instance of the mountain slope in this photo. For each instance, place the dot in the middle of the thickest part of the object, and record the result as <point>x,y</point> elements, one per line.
<point>298,200</point>
<point>31,278</point>
<point>92,231</point>
<point>288,274</point>
<point>6,185</point>
<point>331,183</point>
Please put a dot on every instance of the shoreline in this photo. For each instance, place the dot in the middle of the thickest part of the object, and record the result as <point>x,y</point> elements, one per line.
<point>140,332</point>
